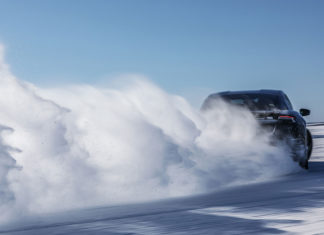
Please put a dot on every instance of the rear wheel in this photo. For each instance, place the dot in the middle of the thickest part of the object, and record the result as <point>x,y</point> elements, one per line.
<point>301,151</point>
<point>309,144</point>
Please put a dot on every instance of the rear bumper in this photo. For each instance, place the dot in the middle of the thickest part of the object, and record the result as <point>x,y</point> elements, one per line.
<point>281,129</point>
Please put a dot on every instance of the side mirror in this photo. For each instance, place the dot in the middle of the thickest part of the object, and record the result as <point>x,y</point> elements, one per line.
<point>304,112</point>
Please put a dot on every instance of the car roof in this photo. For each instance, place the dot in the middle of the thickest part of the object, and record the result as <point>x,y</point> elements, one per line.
<point>211,97</point>
<point>262,91</point>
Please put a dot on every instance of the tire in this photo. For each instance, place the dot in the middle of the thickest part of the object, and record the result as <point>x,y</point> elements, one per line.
<point>309,144</point>
<point>301,152</point>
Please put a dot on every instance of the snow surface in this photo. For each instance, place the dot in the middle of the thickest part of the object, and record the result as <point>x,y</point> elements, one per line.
<point>289,204</point>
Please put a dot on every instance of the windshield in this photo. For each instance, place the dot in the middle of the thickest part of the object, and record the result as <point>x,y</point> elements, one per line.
<point>256,101</point>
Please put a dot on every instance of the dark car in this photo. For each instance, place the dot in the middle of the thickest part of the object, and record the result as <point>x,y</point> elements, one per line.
<point>275,113</point>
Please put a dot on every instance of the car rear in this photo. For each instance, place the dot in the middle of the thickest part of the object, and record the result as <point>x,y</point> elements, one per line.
<point>273,111</point>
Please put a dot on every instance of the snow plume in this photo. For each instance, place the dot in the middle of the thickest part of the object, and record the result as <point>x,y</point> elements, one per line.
<point>82,146</point>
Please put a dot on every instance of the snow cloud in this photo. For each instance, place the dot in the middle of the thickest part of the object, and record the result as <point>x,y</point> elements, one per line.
<point>81,146</point>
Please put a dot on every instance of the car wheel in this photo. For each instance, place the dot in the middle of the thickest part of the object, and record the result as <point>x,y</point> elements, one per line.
<point>309,144</point>
<point>301,151</point>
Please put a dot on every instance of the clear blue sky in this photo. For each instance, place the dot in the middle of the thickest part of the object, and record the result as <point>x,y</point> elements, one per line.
<point>184,46</point>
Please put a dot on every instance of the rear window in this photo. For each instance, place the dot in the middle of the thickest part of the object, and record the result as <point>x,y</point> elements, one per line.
<point>253,102</point>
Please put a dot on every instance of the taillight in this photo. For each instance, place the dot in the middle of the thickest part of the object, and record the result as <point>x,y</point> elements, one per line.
<point>286,117</point>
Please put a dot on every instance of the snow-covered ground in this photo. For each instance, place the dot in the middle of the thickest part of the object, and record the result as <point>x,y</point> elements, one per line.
<point>289,204</point>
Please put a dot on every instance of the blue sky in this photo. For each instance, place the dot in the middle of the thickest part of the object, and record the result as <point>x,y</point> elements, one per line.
<point>186,47</point>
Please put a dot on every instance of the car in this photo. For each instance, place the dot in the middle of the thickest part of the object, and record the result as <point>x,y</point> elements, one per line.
<point>274,112</point>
